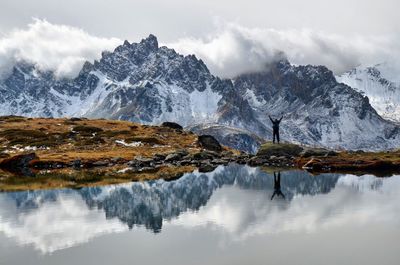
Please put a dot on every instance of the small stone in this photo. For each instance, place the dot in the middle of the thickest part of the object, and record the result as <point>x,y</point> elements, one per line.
<point>206,168</point>
<point>173,157</point>
<point>100,163</point>
<point>159,157</point>
<point>117,159</point>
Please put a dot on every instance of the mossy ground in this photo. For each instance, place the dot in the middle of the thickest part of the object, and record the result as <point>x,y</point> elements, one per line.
<point>65,140</point>
<point>281,149</point>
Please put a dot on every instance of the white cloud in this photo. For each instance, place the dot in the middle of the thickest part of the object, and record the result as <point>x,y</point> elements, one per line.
<point>234,49</point>
<point>228,51</point>
<point>61,48</point>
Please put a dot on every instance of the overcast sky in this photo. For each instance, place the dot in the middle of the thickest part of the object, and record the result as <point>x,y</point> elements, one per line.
<point>339,34</point>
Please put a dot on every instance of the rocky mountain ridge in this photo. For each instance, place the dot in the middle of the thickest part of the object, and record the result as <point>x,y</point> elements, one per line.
<point>145,83</point>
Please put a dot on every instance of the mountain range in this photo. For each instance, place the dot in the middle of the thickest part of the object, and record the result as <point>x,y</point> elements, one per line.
<point>381,84</point>
<point>146,83</point>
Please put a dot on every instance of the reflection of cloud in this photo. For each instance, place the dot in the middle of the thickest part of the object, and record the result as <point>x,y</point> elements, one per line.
<point>354,201</point>
<point>233,199</point>
<point>56,225</point>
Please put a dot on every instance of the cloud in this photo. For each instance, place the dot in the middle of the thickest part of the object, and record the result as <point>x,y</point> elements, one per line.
<point>61,48</point>
<point>233,49</point>
<point>229,50</point>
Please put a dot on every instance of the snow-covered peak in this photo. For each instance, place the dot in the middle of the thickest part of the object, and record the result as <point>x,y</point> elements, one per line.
<point>145,83</point>
<point>380,83</point>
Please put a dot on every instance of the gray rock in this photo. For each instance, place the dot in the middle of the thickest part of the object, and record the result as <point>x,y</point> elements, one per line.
<point>332,153</point>
<point>257,161</point>
<point>159,157</point>
<point>219,162</point>
<point>173,157</point>
<point>172,125</point>
<point>77,163</point>
<point>100,163</point>
<point>209,142</point>
<point>141,162</point>
<point>203,155</point>
<point>18,161</point>
<point>206,167</point>
<point>117,159</point>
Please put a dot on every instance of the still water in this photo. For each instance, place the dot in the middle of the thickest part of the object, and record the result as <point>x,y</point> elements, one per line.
<point>223,217</point>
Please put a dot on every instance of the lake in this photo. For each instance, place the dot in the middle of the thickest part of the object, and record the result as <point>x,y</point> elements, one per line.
<point>233,215</point>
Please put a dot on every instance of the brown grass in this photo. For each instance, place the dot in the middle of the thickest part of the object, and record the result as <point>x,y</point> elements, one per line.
<point>90,139</point>
<point>378,163</point>
<point>66,140</point>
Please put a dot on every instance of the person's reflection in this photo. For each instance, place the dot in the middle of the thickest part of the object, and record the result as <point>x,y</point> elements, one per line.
<point>277,186</point>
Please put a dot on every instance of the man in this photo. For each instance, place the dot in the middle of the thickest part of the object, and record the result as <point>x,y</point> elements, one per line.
<point>275,128</point>
<point>277,186</point>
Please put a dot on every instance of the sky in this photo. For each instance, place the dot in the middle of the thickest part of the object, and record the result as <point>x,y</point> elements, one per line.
<point>230,36</point>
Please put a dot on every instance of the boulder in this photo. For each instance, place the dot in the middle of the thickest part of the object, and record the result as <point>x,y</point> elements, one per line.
<point>283,149</point>
<point>257,161</point>
<point>159,157</point>
<point>172,125</point>
<point>182,152</point>
<point>77,163</point>
<point>19,164</point>
<point>141,162</point>
<point>117,160</point>
<point>204,155</point>
<point>309,152</point>
<point>313,164</point>
<point>75,119</point>
<point>18,161</point>
<point>173,157</point>
<point>206,167</point>
<point>332,153</point>
<point>100,163</point>
<point>220,162</point>
<point>209,142</point>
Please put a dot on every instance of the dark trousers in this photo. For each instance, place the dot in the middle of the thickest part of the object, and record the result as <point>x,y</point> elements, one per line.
<point>275,134</point>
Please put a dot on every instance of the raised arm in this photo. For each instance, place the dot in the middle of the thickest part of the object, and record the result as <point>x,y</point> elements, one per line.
<point>281,118</point>
<point>271,119</point>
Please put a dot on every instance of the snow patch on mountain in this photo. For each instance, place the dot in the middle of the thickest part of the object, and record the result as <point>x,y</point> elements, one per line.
<point>381,83</point>
<point>145,83</point>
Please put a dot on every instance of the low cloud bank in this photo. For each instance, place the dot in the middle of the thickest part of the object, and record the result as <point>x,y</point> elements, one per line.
<point>229,51</point>
<point>60,48</point>
<point>234,49</point>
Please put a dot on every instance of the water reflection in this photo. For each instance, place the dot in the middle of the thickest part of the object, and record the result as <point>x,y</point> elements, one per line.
<point>235,198</point>
<point>277,186</point>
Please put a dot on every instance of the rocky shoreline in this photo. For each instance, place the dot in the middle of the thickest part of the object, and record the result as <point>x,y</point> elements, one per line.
<point>205,161</point>
<point>211,156</point>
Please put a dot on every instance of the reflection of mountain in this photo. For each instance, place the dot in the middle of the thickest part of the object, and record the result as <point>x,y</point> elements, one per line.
<point>149,203</point>
<point>56,219</point>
